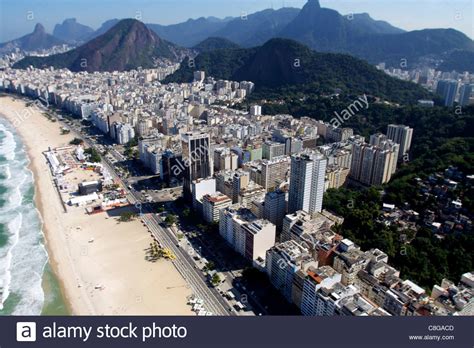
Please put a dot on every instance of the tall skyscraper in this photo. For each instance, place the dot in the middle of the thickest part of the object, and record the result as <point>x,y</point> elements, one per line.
<point>308,171</point>
<point>448,90</point>
<point>196,158</point>
<point>401,135</point>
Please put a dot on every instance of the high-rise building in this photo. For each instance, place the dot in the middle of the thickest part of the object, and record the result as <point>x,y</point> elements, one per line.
<point>225,159</point>
<point>260,235</point>
<point>275,208</point>
<point>255,110</point>
<point>199,76</point>
<point>274,172</point>
<point>240,180</point>
<point>448,90</point>
<point>282,262</point>
<point>124,133</point>
<point>271,150</point>
<point>212,204</point>
<point>377,139</point>
<point>336,177</point>
<point>250,193</point>
<point>374,165</point>
<point>308,171</point>
<point>401,135</point>
<point>196,158</point>
<point>249,236</point>
<point>171,168</point>
<point>200,188</point>
<point>335,134</point>
<point>465,94</point>
<point>316,279</point>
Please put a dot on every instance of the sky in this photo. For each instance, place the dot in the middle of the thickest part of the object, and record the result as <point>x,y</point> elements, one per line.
<point>18,17</point>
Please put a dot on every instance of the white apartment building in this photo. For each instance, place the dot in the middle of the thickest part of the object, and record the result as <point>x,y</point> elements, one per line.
<point>401,135</point>
<point>282,262</point>
<point>308,171</point>
<point>322,277</point>
<point>213,204</point>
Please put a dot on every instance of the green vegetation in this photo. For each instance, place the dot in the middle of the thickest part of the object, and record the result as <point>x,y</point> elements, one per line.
<point>127,216</point>
<point>94,155</point>
<point>286,69</point>
<point>215,43</point>
<point>442,137</point>
<point>459,60</point>
<point>76,141</point>
<point>210,266</point>
<point>154,252</point>
<point>131,151</point>
<point>170,220</point>
<point>419,256</point>
<point>215,280</point>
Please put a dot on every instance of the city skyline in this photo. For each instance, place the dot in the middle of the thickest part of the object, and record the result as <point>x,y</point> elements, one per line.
<point>19,19</point>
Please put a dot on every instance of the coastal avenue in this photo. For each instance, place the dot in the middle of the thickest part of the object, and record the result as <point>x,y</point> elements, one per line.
<point>213,301</point>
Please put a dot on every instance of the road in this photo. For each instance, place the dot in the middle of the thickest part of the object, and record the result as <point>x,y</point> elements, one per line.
<point>213,301</point>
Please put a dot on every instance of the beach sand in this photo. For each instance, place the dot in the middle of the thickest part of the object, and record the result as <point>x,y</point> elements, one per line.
<point>115,259</point>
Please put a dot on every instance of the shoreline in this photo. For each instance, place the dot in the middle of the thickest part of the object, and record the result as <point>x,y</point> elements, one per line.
<point>132,285</point>
<point>51,259</point>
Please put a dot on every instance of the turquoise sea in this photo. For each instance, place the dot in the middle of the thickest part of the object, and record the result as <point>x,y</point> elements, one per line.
<point>27,284</point>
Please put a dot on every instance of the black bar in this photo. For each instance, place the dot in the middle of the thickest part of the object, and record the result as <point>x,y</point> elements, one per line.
<point>288,332</point>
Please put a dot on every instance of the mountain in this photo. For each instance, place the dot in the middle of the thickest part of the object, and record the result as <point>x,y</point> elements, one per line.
<point>257,28</point>
<point>215,43</point>
<point>128,45</point>
<point>320,28</point>
<point>106,26</point>
<point>71,31</point>
<point>282,67</point>
<point>459,61</point>
<point>368,24</point>
<point>246,30</point>
<point>326,30</point>
<point>191,32</point>
<point>37,40</point>
<point>411,46</point>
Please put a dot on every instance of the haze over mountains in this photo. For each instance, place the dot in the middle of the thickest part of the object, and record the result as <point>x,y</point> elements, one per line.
<point>326,30</point>
<point>321,29</point>
<point>71,31</point>
<point>214,43</point>
<point>36,40</point>
<point>127,45</point>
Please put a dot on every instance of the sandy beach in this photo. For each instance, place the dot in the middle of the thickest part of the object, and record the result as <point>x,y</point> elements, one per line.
<point>115,260</point>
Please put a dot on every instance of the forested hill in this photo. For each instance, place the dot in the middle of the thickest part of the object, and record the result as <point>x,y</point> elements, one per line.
<point>283,67</point>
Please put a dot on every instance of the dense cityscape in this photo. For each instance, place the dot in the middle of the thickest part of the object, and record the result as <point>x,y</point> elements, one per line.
<point>261,179</point>
<point>241,201</point>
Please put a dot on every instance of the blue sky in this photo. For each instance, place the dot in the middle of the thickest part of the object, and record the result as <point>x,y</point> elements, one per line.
<point>18,17</point>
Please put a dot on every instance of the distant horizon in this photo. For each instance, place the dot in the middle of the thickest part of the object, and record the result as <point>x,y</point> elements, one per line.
<point>442,14</point>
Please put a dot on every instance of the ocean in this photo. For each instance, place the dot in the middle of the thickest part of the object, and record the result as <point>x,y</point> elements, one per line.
<point>27,284</point>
